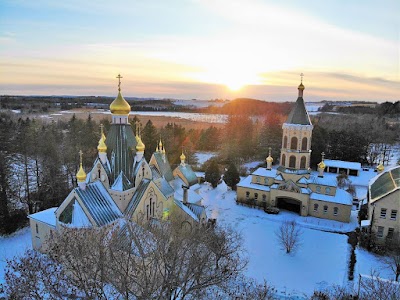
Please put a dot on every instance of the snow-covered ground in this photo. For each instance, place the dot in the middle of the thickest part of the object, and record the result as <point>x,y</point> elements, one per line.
<point>321,260</point>
<point>202,157</point>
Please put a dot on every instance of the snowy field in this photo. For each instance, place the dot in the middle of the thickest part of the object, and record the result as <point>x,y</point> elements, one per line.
<point>321,260</point>
<point>202,157</point>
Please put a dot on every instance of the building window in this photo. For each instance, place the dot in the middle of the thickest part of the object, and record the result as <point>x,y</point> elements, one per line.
<point>304,144</point>
<point>390,233</point>
<point>247,195</point>
<point>327,191</point>
<point>37,228</point>
<point>303,162</point>
<point>325,209</point>
<point>266,180</point>
<point>283,163</point>
<point>379,233</point>
<point>256,196</point>
<point>258,179</point>
<point>315,207</point>
<point>293,143</point>
<point>292,162</point>
<point>393,214</point>
<point>383,213</point>
<point>318,189</point>
<point>264,197</point>
<point>335,211</point>
<point>285,142</point>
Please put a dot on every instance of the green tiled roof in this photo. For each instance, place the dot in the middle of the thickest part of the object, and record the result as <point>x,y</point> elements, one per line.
<point>188,174</point>
<point>137,197</point>
<point>385,183</point>
<point>120,142</point>
<point>299,114</point>
<point>99,203</point>
<point>165,168</point>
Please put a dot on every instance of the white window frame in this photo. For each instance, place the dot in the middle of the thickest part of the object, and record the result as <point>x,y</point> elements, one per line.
<point>335,211</point>
<point>326,209</point>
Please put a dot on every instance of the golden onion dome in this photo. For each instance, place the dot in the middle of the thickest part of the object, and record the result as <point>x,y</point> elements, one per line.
<point>140,145</point>
<point>301,87</point>
<point>182,157</point>
<point>163,150</point>
<point>81,175</point>
<point>269,159</point>
<point>321,165</point>
<point>102,147</point>
<point>380,167</point>
<point>120,106</point>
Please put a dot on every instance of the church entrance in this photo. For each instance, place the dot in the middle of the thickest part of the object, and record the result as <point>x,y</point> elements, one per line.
<point>289,204</point>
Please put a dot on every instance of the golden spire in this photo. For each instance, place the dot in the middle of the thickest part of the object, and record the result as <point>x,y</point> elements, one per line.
<point>321,165</point>
<point>269,158</point>
<point>81,175</point>
<point>160,145</point>
<point>120,106</point>
<point>301,86</point>
<point>103,136</point>
<point>182,157</point>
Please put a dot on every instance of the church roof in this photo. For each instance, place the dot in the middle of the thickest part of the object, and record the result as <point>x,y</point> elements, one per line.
<point>165,168</point>
<point>246,183</point>
<point>121,183</point>
<point>299,114</point>
<point>154,171</point>
<point>265,172</point>
<point>121,143</point>
<point>99,203</point>
<point>341,197</point>
<point>47,216</point>
<point>137,197</point>
<point>188,173</point>
<point>186,209</point>
<point>165,188</point>
<point>198,210</point>
<point>322,180</point>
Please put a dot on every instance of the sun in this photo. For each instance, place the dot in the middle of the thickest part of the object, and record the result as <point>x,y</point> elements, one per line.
<point>234,86</point>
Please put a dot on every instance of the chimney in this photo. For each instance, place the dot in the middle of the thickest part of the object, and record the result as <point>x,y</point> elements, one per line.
<point>185,194</point>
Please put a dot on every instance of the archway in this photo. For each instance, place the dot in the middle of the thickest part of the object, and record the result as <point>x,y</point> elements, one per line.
<point>293,143</point>
<point>289,204</point>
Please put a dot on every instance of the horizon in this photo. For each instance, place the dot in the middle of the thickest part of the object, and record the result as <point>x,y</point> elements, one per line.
<point>202,49</point>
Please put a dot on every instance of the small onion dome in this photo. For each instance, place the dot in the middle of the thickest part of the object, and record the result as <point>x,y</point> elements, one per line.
<point>182,157</point>
<point>81,175</point>
<point>120,106</point>
<point>102,146</point>
<point>160,145</point>
<point>269,159</point>
<point>380,167</point>
<point>163,150</point>
<point>140,146</point>
<point>301,87</point>
<point>321,165</point>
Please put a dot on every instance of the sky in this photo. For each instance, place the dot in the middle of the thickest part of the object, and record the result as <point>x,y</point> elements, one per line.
<point>202,49</point>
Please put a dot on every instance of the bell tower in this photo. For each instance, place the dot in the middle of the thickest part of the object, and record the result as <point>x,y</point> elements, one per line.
<point>296,139</point>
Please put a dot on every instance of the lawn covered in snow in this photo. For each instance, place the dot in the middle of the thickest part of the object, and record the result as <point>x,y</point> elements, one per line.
<point>320,261</point>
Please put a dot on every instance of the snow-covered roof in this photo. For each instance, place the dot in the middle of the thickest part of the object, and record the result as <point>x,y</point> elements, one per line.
<point>121,183</point>
<point>246,183</point>
<point>188,173</point>
<point>342,164</point>
<point>279,177</point>
<point>99,203</point>
<point>303,180</point>
<point>365,223</point>
<point>265,172</point>
<point>165,188</point>
<point>186,209</point>
<point>322,180</point>
<point>193,197</point>
<point>47,216</point>
<point>341,197</point>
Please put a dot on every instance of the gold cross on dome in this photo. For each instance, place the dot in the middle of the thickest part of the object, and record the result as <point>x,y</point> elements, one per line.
<point>301,75</point>
<point>119,82</point>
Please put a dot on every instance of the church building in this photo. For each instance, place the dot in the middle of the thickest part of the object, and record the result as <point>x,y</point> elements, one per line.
<point>121,184</point>
<point>292,186</point>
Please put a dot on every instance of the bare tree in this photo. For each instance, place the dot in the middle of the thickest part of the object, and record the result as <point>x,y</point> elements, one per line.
<point>375,288</point>
<point>162,260</point>
<point>391,259</point>
<point>289,235</point>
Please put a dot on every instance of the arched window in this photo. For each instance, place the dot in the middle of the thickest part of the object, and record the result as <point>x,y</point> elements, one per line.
<point>285,142</point>
<point>293,143</point>
<point>292,162</point>
<point>315,207</point>
<point>256,196</point>
<point>303,162</point>
<point>283,163</point>
<point>37,228</point>
<point>327,191</point>
<point>318,189</point>
<point>143,170</point>
<point>304,143</point>
<point>99,173</point>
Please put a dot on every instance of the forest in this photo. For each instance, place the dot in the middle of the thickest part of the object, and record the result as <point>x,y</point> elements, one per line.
<point>39,160</point>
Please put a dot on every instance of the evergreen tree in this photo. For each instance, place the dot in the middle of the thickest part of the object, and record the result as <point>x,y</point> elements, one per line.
<point>212,174</point>
<point>150,138</point>
<point>231,176</point>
